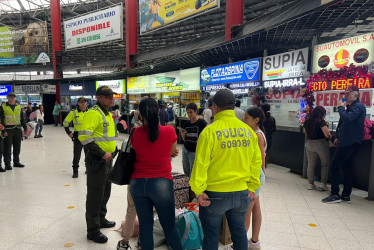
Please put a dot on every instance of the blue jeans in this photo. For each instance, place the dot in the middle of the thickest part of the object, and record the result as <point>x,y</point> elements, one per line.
<point>55,118</point>
<point>235,206</point>
<point>39,127</point>
<point>158,193</point>
<point>188,161</point>
<point>153,19</point>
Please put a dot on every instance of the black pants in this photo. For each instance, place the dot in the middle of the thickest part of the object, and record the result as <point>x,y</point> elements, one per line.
<point>77,152</point>
<point>98,193</point>
<point>12,140</point>
<point>340,159</point>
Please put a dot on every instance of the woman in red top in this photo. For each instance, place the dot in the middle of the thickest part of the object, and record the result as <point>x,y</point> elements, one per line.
<point>151,182</point>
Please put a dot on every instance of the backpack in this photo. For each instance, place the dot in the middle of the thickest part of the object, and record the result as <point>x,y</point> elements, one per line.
<point>171,114</point>
<point>368,130</point>
<point>32,116</point>
<point>190,230</point>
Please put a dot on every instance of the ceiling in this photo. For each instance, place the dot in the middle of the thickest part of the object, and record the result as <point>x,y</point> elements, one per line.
<point>275,25</point>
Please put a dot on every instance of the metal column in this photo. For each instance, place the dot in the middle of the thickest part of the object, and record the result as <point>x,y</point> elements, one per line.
<point>131,15</point>
<point>234,16</point>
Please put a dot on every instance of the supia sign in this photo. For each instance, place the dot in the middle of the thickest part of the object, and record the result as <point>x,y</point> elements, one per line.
<point>27,89</point>
<point>98,27</point>
<point>335,55</point>
<point>231,73</point>
<point>284,97</point>
<point>286,65</point>
<point>118,86</point>
<point>156,14</point>
<point>342,84</point>
<point>331,98</point>
<point>5,90</point>
<point>292,82</point>
<point>175,81</point>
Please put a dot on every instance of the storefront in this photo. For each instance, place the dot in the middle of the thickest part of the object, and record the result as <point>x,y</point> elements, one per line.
<point>28,93</point>
<point>239,77</point>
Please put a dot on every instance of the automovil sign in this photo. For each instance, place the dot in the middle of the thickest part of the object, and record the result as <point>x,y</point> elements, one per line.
<point>5,90</point>
<point>98,27</point>
<point>335,55</point>
<point>286,65</point>
<point>230,73</point>
<point>27,89</point>
<point>117,86</point>
<point>175,81</point>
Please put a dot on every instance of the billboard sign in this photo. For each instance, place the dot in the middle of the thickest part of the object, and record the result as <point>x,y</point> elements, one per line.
<point>5,90</point>
<point>98,27</point>
<point>286,65</point>
<point>244,71</point>
<point>175,81</point>
<point>27,89</point>
<point>118,86</point>
<point>155,14</point>
<point>24,45</point>
<point>335,55</point>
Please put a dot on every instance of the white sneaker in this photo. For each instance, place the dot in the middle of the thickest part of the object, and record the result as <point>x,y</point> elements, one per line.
<point>252,245</point>
<point>311,186</point>
<point>323,187</point>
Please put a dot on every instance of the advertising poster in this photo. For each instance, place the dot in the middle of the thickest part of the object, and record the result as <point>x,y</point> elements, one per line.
<point>24,45</point>
<point>117,86</point>
<point>5,90</point>
<point>338,54</point>
<point>156,14</point>
<point>286,65</point>
<point>176,81</point>
<point>49,89</point>
<point>27,89</point>
<point>244,71</point>
<point>98,27</point>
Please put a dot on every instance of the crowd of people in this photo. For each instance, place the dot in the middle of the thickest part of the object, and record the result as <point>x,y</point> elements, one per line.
<point>224,155</point>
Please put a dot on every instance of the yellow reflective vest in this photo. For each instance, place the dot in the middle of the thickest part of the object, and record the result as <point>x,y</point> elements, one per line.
<point>228,157</point>
<point>99,128</point>
<point>12,118</point>
<point>76,117</point>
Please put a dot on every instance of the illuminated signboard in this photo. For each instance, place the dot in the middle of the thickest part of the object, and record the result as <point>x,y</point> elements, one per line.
<point>282,83</point>
<point>213,87</point>
<point>117,96</point>
<point>342,84</point>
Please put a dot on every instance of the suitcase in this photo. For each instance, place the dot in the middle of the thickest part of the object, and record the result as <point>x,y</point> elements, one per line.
<point>28,132</point>
<point>181,189</point>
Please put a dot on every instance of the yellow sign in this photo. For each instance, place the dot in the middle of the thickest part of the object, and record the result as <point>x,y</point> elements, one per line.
<point>157,13</point>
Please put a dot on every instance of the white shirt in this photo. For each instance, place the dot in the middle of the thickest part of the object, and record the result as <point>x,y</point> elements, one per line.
<point>39,115</point>
<point>207,114</point>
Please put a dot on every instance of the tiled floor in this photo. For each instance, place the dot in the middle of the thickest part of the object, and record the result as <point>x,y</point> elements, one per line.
<point>42,207</point>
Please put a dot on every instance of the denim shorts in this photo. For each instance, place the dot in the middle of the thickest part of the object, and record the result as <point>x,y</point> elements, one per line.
<point>262,181</point>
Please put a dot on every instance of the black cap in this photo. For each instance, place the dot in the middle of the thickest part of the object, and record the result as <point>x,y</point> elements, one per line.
<point>82,98</point>
<point>351,89</point>
<point>11,94</point>
<point>161,103</point>
<point>225,99</point>
<point>104,90</point>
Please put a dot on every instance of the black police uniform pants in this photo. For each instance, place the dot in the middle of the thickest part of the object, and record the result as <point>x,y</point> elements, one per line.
<point>13,139</point>
<point>77,152</point>
<point>1,148</point>
<point>98,193</point>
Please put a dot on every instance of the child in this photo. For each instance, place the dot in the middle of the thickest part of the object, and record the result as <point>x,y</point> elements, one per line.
<point>254,117</point>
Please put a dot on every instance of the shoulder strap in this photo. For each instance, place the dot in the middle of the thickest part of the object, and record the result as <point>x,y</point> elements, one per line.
<point>128,141</point>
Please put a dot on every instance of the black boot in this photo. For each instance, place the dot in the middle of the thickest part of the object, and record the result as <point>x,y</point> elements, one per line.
<point>2,169</point>
<point>19,165</point>
<point>75,174</point>
<point>8,167</point>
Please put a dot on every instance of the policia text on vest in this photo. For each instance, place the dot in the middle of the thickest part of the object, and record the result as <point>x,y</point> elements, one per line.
<point>76,116</point>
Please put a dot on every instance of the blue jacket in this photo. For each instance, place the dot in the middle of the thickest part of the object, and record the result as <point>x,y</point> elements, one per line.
<point>351,124</point>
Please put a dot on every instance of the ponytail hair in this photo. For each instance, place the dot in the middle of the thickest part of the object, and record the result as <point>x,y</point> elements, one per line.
<point>149,110</point>
<point>266,108</point>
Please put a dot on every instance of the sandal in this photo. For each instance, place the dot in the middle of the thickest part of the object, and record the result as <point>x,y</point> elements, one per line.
<point>122,245</point>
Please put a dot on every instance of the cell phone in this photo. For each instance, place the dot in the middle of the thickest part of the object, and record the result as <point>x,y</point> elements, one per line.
<point>181,129</point>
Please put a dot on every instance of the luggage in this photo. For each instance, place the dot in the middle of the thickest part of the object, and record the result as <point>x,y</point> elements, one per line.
<point>190,230</point>
<point>181,189</point>
<point>28,132</point>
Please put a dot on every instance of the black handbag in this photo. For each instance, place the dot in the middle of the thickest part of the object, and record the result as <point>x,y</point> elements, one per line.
<point>124,165</point>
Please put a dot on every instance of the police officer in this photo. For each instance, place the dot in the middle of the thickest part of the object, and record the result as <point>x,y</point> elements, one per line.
<point>76,116</point>
<point>98,136</point>
<point>13,121</point>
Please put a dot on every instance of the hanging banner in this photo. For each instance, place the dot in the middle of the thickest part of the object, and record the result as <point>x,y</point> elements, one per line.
<point>287,65</point>
<point>5,90</point>
<point>27,89</point>
<point>118,86</point>
<point>181,80</point>
<point>24,45</point>
<point>335,55</point>
<point>244,71</point>
<point>98,27</point>
<point>49,89</point>
<point>156,14</point>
